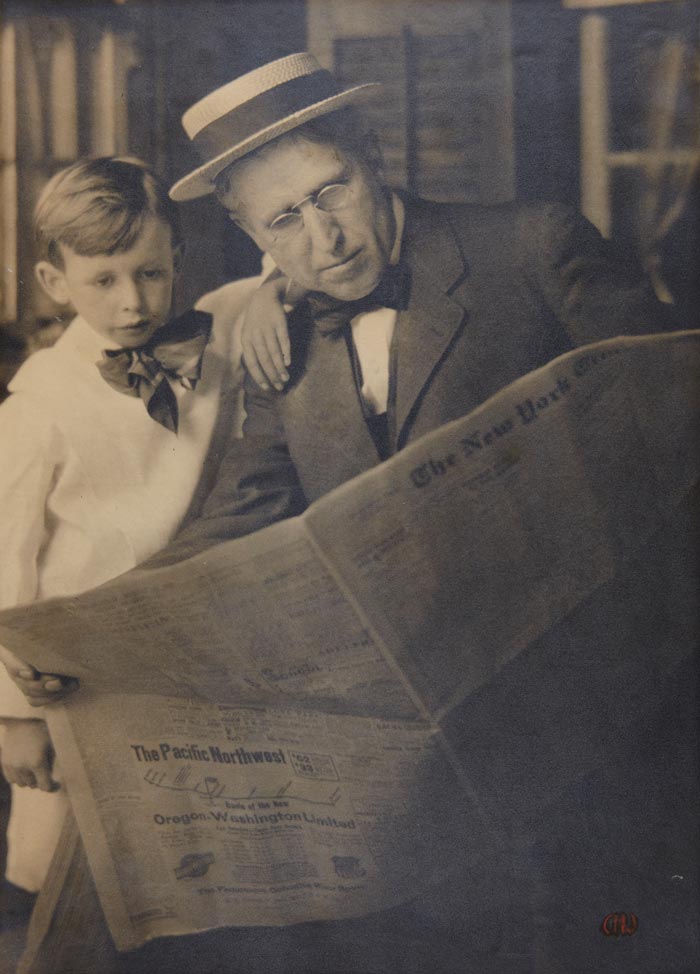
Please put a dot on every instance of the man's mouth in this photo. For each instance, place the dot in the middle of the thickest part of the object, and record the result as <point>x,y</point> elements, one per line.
<point>341,265</point>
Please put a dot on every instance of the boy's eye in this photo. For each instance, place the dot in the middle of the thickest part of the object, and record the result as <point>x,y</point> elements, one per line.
<point>103,281</point>
<point>153,273</point>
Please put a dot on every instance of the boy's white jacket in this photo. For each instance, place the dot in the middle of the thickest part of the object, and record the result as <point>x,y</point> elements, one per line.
<point>90,485</point>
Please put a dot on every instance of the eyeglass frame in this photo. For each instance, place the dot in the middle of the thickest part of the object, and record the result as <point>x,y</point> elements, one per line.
<point>295,212</point>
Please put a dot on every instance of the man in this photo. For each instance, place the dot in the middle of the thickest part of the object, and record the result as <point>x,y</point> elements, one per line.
<point>409,314</point>
<point>481,296</point>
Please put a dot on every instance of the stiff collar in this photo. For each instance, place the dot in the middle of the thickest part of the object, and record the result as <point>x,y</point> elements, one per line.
<point>399,211</point>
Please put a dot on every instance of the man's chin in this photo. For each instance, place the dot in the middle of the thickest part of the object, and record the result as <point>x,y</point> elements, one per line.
<point>352,290</point>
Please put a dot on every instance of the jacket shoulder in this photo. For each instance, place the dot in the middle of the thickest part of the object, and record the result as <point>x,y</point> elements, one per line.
<point>521,222</point>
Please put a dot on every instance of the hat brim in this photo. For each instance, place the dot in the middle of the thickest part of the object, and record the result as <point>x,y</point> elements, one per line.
<point>200,182</point>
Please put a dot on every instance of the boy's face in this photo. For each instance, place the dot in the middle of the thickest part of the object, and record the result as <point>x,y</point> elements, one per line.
<point>125,297</point>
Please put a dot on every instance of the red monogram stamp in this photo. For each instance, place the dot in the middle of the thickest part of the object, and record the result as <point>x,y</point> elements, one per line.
<point>619,925</point>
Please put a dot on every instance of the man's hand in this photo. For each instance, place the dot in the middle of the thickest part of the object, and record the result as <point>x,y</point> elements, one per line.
<point>265,338</point>
<point>39,688</point>
<point>27,754</point>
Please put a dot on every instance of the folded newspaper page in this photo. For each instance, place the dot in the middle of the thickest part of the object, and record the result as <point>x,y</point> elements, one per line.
<point>197,815</point>
<point>286,727</point>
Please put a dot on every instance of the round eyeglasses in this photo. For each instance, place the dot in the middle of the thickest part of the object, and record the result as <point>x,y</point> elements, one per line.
<point>332,197</point>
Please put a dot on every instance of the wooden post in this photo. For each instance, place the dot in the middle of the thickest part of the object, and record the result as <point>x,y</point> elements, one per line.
<point>63,96</point>
<point>116,56</point>
<point>8,174</point>
<point>595,178</point>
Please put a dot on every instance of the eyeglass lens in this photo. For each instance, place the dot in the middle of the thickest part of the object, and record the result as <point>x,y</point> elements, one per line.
<point>331,197</point>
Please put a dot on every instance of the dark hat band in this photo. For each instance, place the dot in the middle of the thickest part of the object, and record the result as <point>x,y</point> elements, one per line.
<point>263,110</point>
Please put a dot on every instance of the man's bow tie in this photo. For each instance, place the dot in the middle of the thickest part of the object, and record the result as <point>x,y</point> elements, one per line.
<point>175,351</point>
<point>393,291</point>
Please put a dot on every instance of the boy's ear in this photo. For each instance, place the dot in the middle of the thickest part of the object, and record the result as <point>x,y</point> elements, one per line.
<point>53,281</point>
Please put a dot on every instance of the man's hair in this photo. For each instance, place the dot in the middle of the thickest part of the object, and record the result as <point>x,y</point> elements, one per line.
<point>344,129</point>
<point>98,206</point>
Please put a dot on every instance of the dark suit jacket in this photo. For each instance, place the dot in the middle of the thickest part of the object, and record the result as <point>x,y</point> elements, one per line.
<point>496,292</point>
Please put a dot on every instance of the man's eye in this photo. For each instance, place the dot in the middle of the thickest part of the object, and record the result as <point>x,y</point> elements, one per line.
<point>153,273</point>
<point>333,197</point>
<point>103,281</point>
<point>285,221</point>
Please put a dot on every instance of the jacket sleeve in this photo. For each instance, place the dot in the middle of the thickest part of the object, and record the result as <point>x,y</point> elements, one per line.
<point>596,288</point>
<point>256,484</point>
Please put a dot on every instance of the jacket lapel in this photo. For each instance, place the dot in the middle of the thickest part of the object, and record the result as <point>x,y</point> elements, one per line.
<point>327,432</point>
<point>427,327</point>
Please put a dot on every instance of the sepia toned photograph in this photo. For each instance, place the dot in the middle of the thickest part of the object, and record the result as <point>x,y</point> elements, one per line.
<point>349,461</point>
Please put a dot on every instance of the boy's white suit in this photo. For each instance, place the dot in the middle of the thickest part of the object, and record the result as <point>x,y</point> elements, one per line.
<point>89,486</point>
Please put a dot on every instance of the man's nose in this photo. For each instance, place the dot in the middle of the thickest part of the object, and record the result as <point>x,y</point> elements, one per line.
<point>323,229</point>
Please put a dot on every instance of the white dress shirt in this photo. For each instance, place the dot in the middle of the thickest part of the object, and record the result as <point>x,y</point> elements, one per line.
<point>372,333</point>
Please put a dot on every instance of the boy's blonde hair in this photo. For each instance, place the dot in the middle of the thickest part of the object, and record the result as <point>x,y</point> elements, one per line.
<point>98,206</point>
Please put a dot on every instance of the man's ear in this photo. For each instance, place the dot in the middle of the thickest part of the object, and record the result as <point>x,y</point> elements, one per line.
<point>178,258</point>
<point>248,230</point>
<point>373,153</point>
<point>53,281</point>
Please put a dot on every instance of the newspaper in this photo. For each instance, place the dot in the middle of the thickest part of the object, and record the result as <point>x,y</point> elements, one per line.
<point>200,815</point>
<point>278,729</point>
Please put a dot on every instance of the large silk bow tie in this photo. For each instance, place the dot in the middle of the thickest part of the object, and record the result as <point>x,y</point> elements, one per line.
<point>331,315</point>
<point>175,351</point>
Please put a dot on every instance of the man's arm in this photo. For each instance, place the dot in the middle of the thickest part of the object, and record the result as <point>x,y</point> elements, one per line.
<point>596,288</point>
<point>256,484</point>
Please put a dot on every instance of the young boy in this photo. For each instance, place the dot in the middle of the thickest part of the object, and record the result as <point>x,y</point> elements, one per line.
<point>108,437</point>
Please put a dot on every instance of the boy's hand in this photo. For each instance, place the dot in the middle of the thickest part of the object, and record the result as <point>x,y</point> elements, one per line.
<point>27,754</point>
<point>38,688</point>
<point>265,338</point>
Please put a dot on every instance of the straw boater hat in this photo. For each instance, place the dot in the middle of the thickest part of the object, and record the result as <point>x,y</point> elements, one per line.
<point>256,108</point>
